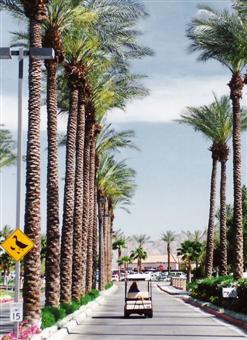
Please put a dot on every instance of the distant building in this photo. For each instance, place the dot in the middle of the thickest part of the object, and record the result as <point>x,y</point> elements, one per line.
<point>159,262</point>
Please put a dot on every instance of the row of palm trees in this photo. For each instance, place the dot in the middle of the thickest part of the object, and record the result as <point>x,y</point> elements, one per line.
<point>94,42</point>
<point>221,36</point>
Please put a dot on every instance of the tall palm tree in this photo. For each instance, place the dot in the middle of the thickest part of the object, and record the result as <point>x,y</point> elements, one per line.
<point>139,254</point>
<point>61,16</point>
<point>35,12</point>
<point>168,237</point>
<point>222,36</point>
<point>190,252</point>
<point>215,122</point>
<point>119,244</point>
<point>115,185</point>
<point>141,239</point>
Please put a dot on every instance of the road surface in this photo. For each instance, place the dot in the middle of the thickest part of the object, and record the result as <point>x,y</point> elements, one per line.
<point>173,320</point>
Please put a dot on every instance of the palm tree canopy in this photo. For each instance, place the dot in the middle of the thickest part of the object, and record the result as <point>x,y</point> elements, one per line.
<point>168,236</point>
<point>111,140</point>
<point>7,147</point>
<point>215,121</point>
<point>139,253</point>
<point>190,250</point>
<point>141,239</point>
<point>115,180</point>
<point>220,36</point>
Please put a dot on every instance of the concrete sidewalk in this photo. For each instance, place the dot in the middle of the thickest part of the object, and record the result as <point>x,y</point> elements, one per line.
<point>173,319</point>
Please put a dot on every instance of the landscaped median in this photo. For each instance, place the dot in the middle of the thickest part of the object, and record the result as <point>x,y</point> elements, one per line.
<point>208,295</point>
<point>56,322</point>
<point>74,313</point>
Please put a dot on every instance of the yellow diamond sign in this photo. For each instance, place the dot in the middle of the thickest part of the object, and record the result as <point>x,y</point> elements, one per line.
<point>17,245</point>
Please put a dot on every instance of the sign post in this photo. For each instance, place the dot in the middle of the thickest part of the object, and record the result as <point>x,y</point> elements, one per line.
<point>17,245</point>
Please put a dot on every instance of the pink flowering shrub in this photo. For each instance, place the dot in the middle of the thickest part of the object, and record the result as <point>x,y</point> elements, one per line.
<point>6,300</point>
<point>25,333</point>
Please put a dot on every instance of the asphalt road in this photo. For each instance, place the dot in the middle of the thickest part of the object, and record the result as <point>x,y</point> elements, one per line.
<point>173,320</point>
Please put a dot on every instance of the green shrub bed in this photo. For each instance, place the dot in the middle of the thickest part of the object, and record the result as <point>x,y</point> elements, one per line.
<point>50,315</point>
<point>108,285</point>
<point>210,290</point>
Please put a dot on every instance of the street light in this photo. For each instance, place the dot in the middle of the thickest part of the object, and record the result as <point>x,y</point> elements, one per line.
<point>35,53</point>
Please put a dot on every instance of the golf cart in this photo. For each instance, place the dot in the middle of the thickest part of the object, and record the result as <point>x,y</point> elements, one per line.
<point>138,302</point>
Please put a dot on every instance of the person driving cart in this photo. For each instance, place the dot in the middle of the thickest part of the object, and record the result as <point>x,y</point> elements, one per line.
<point>134,288</point>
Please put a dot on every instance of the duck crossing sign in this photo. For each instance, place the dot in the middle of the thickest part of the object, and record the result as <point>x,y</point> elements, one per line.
<point>17,245</point>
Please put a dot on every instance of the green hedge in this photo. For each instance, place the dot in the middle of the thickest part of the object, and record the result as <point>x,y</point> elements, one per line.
<point>50,315</point>
<point>109,285</point>
<point>210,290</point>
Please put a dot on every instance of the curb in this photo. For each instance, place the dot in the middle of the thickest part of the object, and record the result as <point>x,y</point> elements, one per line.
<point>62,328</point>
<point>236,319</point>
<point>182,292</point>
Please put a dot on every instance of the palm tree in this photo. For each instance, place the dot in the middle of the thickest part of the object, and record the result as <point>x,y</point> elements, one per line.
<point>222,36</point>
<point>115,185</point>
<point>168,237</point>
<point>7,146</point>
<point>124,261</point>
<point>119,243</point>
<point>190,251</point>
<point>139,254</point>
<point>61,15</point>
<point>215,122</point>
<point>141,239</point>
<point>35,12</point>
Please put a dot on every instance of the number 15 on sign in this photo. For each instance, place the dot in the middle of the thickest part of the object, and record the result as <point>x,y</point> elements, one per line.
<point>16,313</point>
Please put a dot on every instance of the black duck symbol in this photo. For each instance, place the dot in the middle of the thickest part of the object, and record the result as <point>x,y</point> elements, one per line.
<point>19,245</point>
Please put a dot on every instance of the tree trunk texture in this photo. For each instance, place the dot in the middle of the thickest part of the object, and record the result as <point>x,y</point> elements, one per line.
<point>223,227</point>
<point>52,263</point>
<point>109,269</point>
<point>105,233</point>
<point>169,257</point>
<point>210,235</point>
<point>101,243</point>
<point>91,240</point>
<point>69,196</point>
<point>32,228</point>
<point>86,230</point>
<point>77,231</point>
<point>236,85</point>
<point>95,241</point>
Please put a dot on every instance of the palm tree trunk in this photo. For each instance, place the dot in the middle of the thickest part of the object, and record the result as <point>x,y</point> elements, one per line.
<point>77,231</point>
<point>169,257</point>
<point>87,230</point>
<point>119,257</point>
<point>189,271</point>
<point>69,195</point>
<point>223,228</point>
<point>210,236</point>
<point>95,241</point>
<point>236,85</point>
<point>105,233</point>
<point>101,243</point>
<point>52,263</point>
<point>91,239</point>
<point>32,265</point>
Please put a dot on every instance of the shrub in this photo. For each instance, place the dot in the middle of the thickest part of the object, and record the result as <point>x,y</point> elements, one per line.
<point>211,290</point>
<point>70,307</point>
<point>48,318</point>
<point>108,285</point>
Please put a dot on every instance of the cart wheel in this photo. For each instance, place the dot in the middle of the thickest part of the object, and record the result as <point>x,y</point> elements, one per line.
<point>126,314</point>
<point>150,314</point>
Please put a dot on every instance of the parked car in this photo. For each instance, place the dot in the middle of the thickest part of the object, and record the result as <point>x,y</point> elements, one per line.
<point>115,277</point>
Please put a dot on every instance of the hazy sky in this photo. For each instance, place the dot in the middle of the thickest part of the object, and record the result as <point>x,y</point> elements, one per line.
<point>173,168</point>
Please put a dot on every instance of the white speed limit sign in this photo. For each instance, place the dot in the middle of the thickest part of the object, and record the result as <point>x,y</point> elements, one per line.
<point>16,312</point>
